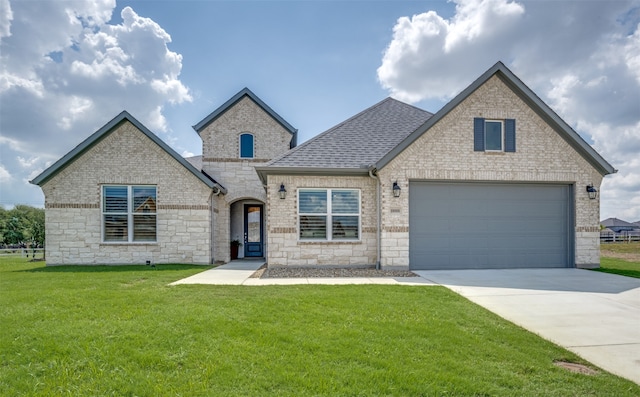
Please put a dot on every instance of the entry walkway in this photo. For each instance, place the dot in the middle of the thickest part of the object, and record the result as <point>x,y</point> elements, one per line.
<point>233,273</point>
<point>238,272</point>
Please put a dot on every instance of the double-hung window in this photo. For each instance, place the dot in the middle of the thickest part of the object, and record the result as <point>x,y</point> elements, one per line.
<point>129,213</point>
<point>329,214</point>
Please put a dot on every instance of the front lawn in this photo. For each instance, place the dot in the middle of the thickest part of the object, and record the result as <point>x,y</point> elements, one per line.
<point>122,331</point>
<point>620,258</point>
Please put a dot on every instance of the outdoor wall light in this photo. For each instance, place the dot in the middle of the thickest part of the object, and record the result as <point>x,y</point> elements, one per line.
<point>282,192</point>
<point>396,189</point>
<point>593,192</point>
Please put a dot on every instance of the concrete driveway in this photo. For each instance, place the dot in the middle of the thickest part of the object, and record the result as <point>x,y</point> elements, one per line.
<point>595,315</point>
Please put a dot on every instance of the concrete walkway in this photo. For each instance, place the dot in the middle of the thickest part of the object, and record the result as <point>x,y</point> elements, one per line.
<point>239,272</point>
<point>595,315</point>
<point>233,273</point>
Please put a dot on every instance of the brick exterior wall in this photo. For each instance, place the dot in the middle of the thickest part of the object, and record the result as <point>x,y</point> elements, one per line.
<point>126,156</point>
<point>446,152</point>
<point>194,227</point>
<point>221,138</point>
<point>221,152</point>
<point>285,248</point>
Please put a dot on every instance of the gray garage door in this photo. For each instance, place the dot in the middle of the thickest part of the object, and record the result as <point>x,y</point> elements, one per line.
<point>489,226</point>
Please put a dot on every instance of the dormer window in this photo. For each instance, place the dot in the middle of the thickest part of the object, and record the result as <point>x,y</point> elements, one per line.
<point>246,146</point>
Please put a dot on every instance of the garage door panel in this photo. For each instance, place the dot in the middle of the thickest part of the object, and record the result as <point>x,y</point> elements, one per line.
<point>478,225</point>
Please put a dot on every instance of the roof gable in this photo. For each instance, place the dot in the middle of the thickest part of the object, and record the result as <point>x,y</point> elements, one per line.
<point>102,133</point>
<point>530,98</point>
<point>235,99</point>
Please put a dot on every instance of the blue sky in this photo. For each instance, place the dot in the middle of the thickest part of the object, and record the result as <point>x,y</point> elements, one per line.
<point>314,62</point>
<point>68,67</point>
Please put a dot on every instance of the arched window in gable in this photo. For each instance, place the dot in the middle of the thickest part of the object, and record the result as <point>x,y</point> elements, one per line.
<point>246,146</point>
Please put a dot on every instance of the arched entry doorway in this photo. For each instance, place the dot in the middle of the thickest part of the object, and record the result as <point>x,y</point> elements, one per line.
<point>247,227</point>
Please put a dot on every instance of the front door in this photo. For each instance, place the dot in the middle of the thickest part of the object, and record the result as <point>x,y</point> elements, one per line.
<point>253,230</point>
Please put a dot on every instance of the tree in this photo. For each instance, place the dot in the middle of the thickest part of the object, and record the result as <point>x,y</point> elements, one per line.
<point>22,225</point>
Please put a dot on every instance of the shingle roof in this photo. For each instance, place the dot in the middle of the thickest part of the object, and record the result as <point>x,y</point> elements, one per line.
<point>615,222</point>
<point>359,141</point>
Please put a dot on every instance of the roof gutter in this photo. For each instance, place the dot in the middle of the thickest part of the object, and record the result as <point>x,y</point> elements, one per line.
<point>263,171</point>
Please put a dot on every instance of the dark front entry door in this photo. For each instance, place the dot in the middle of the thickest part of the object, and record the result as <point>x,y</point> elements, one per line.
<point>253,232</point>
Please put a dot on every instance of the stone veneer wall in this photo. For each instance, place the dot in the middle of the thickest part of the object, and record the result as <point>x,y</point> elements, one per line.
<point>221,160</point>
<point>126,156</point>
<point>285,249</point>
<point>445,152</point>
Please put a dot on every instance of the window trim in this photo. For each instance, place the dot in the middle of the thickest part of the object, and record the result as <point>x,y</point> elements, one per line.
<point>129,213</point>
<point>329,216</point>
<point>501,122</point>
<point>253,145</point>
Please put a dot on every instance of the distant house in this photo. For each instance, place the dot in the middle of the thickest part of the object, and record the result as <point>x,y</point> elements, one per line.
<point>615,229</point>
<point>495,179</point>
<point>618,225</point>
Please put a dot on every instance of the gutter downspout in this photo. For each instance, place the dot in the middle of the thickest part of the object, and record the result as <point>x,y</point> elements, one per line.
<point>372,174</point>
<point>212,234</point>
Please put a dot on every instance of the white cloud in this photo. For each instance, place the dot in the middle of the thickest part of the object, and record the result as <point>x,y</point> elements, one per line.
<point>14,145</point>
<point>6,16</point>
<point>27,163</point>
<point>77,107</point>
<point>66,70</point>
<point>582,58</point>
<point>33,87</point>
<point>478,21</point>
<point>427,45</point>
<point>157,121</point>
<point>5,176</point>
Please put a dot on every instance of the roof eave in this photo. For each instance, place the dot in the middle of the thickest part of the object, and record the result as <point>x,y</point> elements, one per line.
<point>235,99</point>
<point>264,171</point>
<point>97,136</point>
<point>551,117</point>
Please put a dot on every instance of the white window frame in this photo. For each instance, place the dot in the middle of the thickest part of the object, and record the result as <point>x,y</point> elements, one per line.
<point>329,215</point>
<point>130,214</point>
<point>501,122</point>
<point>253,149</point>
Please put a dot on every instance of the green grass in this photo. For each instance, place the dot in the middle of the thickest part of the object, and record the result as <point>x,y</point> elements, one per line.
<point>122,331</point>
<point>619,266</point>
<point>621,258</point>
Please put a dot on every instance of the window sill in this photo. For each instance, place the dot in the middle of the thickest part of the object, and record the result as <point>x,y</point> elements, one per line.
<point>494,152</point>
<point>123,243</point>
<point>315,242</point>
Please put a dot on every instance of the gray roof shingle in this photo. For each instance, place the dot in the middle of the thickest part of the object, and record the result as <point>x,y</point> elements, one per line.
<point>359,141</point>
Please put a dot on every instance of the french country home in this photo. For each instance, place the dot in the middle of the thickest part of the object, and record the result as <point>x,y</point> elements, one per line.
<point>494,179</point>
